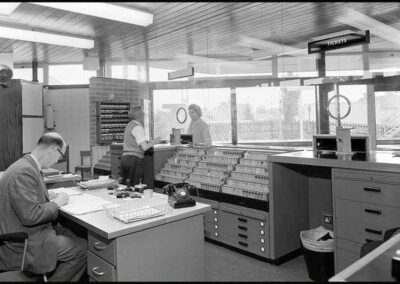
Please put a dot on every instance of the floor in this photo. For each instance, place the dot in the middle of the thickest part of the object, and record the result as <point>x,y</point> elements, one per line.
<point>223,264</point>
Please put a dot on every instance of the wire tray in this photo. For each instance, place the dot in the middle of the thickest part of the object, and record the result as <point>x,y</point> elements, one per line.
<point>138,209</point>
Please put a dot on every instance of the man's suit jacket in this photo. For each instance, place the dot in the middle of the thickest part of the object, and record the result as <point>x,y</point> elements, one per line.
<point>25,207</point>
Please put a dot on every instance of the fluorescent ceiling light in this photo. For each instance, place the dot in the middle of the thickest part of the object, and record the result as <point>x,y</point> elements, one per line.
<point>6,8</point>
<point>48,38</point>
<point>340,33</point>
<point>266,49</point>
<point>363,22</point>
<point>103,10</point>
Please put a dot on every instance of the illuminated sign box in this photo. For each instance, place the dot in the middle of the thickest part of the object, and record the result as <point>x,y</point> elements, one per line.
<point>338,42</point>
<point>181,73</point>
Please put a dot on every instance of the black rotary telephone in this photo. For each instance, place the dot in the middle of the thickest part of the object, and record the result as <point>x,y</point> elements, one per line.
<point>179,195</point>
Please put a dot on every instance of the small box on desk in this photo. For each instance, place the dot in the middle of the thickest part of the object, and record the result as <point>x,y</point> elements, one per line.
<point>328,143</point>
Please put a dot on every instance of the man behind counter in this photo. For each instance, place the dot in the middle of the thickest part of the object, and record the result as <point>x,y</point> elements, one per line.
<point>134,146</point>
<point>198,127</point>
<point>26,207</point>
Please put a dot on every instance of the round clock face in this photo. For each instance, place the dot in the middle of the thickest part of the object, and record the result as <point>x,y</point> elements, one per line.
<point>339,107</point>
<point>181,115</point>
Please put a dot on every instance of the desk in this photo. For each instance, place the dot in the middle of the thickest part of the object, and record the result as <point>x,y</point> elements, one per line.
<point>165,248</point>
<point>62,180</point>
<point>375,266</point>
<point>306,186</point>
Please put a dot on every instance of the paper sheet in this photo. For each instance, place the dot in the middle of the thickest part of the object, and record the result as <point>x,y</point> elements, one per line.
<point>84,203</point>
<point>69,191</point>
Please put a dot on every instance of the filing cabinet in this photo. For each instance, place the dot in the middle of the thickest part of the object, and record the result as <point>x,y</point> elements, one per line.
<point>366,204</point>
<point>111,119</point>
<point>211,218</point>
<point>116,155</point>
<point>101,258</point>
<point>245,228</point>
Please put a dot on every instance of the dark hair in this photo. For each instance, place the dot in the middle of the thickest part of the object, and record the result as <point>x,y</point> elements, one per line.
<point>50,139</point>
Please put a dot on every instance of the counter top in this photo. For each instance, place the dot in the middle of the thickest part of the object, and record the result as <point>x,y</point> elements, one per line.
<point>108,227</point>
<point>155,148</point>
<point>375,266</point>
<point>378,161</point>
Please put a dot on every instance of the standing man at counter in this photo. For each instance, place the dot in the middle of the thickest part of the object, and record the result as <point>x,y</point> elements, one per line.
<point>134,146</point>
<point>25,206</point>
<point>198,127</point>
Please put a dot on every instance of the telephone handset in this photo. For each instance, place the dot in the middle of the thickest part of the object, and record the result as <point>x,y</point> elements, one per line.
<point>179,195</point>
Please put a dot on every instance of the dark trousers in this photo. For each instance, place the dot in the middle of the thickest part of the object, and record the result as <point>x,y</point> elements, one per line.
<point>71,256</point>
<point>132,168</point>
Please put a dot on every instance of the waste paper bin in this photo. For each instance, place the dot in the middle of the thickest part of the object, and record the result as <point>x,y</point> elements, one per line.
<point>318,245</point>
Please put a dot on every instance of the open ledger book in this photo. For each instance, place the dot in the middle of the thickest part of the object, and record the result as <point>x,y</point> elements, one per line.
<point>81,203</point>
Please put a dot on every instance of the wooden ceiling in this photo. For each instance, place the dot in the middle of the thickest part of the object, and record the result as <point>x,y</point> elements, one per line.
<point>203,33</point>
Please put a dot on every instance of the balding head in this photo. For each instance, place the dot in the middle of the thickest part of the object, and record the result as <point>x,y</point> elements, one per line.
<point>52,139</point>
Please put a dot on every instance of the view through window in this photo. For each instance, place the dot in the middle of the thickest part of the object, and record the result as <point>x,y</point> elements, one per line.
<point>267,114</point>
<point>215,105</point>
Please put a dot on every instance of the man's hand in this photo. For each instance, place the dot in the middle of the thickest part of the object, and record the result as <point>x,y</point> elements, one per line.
<point>52,195</point>
<point>61,199</point>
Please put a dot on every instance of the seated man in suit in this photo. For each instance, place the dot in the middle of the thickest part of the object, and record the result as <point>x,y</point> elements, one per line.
<point>25,206</point>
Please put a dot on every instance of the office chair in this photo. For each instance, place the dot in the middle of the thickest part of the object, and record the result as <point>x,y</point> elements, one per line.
<point>370,246</point>
<point>18,275</point>
<point>85,166</point>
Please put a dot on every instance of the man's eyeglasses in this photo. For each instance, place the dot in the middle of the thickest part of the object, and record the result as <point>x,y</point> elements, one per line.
<point>61,155</point>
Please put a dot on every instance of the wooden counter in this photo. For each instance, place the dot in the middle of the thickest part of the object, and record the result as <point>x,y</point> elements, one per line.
<point>377,161</point>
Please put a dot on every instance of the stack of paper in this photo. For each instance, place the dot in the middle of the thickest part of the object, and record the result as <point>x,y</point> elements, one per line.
<point>70,190</point>
<point>84,203</point>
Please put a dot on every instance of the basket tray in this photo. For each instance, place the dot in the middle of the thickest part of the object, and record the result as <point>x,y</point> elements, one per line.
<point>138,209</point>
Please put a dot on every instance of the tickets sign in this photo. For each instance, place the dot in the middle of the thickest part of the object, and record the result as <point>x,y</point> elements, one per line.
<point>338,42</point>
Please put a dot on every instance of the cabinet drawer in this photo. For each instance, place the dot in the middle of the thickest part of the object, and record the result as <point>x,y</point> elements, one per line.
<point>357,231</point>
<point>257,236</point>
<point>100,270</point>
<point>371,192</point>
<point>368,213</point>
<point>348,245</point>
<point>102,247</point>
<point>211,218</point>
<point>242,221</point>
<point>344,258</point>
<point>259,249</point>
<point>366,175</point>
<point>211,230</point>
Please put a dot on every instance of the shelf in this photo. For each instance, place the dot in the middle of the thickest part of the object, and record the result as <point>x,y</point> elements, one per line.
<point>112,118</point>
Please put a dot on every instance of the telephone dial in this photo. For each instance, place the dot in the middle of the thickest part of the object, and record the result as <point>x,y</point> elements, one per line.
<point>179,194</point>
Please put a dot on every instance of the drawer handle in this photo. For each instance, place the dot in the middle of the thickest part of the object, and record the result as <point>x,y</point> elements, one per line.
<point>242,220</point>
<point>370,240</point>
<point>372,189</point>
<point>242,228</point>
<point>242,236</point>
<point>243,244</point>
<point>373,231</point>
<point>99,246</point>
<point>373,211</point>
<point>97,273</point>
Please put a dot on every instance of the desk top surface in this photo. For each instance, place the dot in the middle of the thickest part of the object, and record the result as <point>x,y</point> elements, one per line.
<point>379,160</point>
<point>375,266</point>
<point>106,226</point>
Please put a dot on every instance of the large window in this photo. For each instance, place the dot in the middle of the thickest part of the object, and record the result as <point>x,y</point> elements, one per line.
<point>387,115</point>
<point>69,74</point>
<point>26,74</point>
<point>275,114</point>
<point>215,105</point>
<point>357,119</point>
